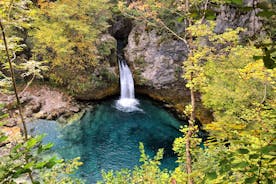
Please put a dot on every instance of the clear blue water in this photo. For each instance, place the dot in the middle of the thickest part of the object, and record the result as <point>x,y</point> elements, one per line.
<point>106,138</point>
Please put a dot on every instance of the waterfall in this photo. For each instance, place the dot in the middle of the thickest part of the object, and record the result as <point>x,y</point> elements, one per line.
<point>127,101</point>
<point>126,81</point>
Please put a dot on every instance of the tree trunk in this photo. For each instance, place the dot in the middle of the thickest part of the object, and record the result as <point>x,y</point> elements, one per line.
<point>189,135</point>
<point>25,132</point>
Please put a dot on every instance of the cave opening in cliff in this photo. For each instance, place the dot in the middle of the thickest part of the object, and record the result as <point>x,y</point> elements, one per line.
<point>120,29</point>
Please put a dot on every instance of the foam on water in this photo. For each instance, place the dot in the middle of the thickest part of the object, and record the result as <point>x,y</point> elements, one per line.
<point>127,101</point>
<point>128,105</point>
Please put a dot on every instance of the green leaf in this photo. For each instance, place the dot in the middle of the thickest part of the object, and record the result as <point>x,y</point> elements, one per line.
<point>211,175</point>
<point>19,171</point>
<point>266,14</point>
<point>34,141</point>
<point>45,147</point>
<point>254,168</point>
<point>237,2</point>
<point>243,151</point>
<point>31,143</point>
<point>257,57</point>
<point>53,161</point>
<point>267,149</point>
<point>4,116</point>
<point>3,138</point>
<point>16,148</point>
<point>241,164</point>
<point>29,165</point>
<point>223,161</point>
<point>250,180</point>
<point>40,165</point>
<point>210,14</point>
<point>180,19</point>
<point>254,156</point>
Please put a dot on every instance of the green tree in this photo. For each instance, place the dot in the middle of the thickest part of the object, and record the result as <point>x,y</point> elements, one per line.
<point>16,16</point>
<point>241,91</point>
<point>17,97</point>
<point>148,172</point>
<point>26,156</point>
<point>67,35</point>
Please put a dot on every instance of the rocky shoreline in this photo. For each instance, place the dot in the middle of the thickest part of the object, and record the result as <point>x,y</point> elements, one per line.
<point>39,102</point>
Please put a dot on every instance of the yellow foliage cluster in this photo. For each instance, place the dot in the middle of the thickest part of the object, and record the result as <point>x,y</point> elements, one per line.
<point>66,35</point>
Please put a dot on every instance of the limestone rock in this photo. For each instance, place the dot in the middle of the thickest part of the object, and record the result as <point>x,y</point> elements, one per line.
<point>230,17</point>
<point>41,102</point>
<point>11,123</point>
<point>156,61</point>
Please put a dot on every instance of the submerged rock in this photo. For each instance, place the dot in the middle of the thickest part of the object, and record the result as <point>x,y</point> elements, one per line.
<point>65,119</point>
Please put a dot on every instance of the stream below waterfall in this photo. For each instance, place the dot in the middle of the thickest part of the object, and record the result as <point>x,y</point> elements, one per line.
<point>107,138</point>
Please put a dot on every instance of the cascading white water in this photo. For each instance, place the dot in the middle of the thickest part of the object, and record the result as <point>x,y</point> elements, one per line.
<point>126,80</point>
<point>127,101</point>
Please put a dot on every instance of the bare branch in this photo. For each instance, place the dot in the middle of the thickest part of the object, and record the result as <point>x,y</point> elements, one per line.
<point>204,10</point>
<point>10,8</point>
<point>27,86</point>
<point>265,93</point>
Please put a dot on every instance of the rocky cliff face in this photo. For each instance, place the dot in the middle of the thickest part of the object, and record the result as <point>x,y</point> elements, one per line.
<point>231,17</point>
<point>156,60</point>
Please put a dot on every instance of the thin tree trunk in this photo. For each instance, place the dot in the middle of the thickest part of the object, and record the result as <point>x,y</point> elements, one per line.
<point>187,4</point>
<point>187,10</point>
<point>188,157</point>
<point>25,132</point>
<point>14,83</point>
<point>204,11</point>
<point>189,135</point>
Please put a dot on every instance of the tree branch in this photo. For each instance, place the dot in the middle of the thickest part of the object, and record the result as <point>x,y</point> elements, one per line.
<point>204,10</point>
<point>27,86</point>
<point>265,93</point>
